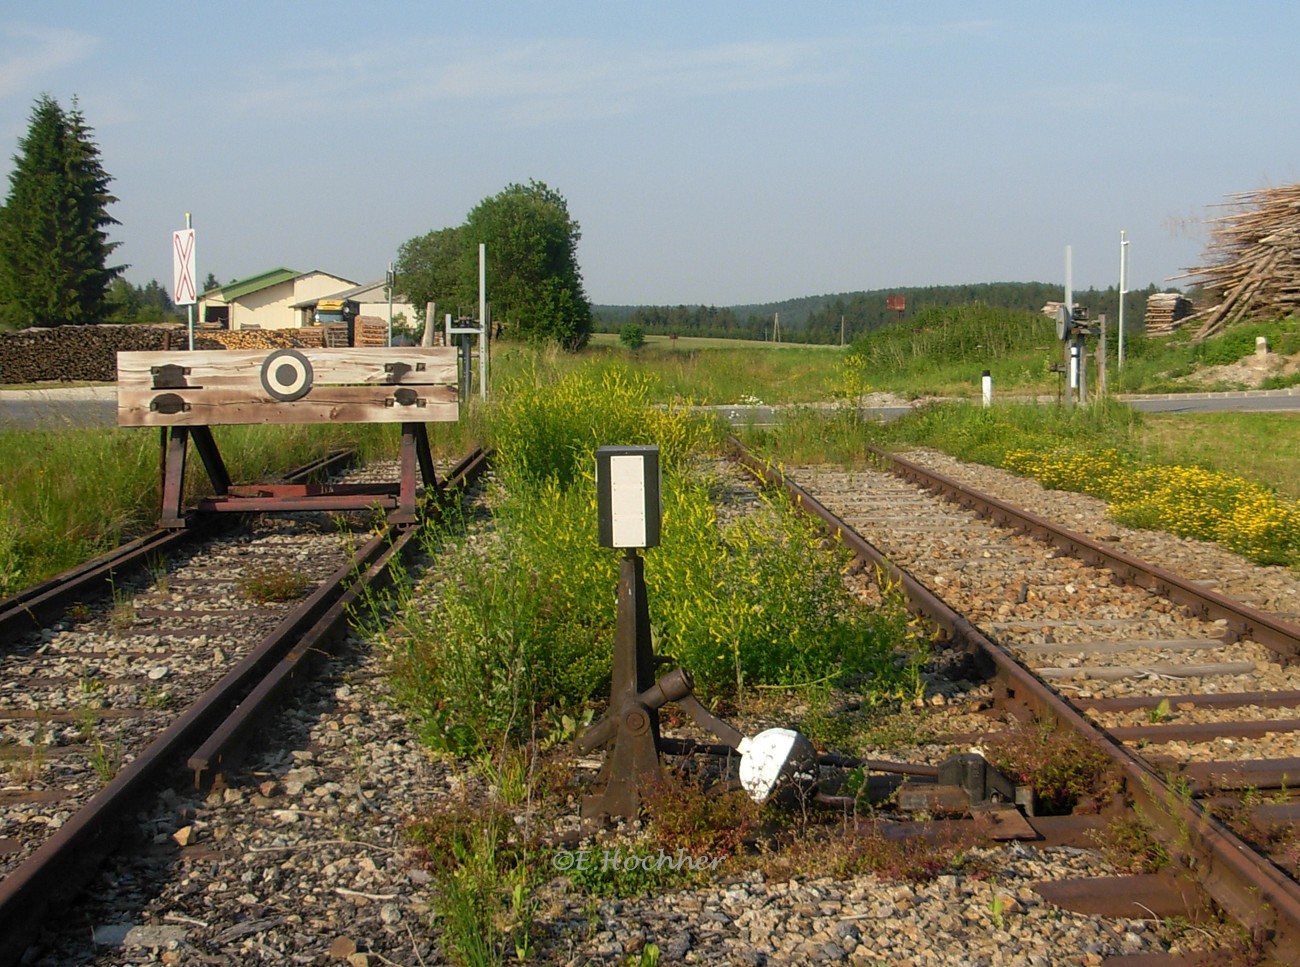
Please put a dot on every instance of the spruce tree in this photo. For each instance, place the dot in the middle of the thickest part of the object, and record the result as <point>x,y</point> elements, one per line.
<point>54,246</point>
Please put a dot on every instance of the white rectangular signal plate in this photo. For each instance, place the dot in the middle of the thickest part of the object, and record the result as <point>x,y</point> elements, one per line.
<point>628,485</point>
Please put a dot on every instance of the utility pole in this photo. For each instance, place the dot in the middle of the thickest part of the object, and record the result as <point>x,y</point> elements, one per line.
<point>388,287</point>
<point>485,331</point>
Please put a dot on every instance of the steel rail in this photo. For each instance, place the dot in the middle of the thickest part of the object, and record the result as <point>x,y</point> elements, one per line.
<point>1242,620</point>
<point>369,571</point>
<point>42,603</point>
<point>59,867</point>
<point>1244,884</point>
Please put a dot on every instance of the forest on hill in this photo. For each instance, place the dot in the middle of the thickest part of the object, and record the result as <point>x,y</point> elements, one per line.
<point>845,316</point>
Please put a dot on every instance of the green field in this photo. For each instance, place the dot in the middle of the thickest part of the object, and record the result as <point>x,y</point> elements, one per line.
<point>67,493</point>
<point>701,371</point>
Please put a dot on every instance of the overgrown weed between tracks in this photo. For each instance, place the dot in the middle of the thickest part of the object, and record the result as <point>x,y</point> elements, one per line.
<point>522,616</point>
<point>504,647</point>
<point>1065,770</point>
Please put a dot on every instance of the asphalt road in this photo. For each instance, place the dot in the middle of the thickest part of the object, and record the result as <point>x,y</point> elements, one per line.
<point>97,406</point>
<point>43,414</point>
<point>1218,403</point>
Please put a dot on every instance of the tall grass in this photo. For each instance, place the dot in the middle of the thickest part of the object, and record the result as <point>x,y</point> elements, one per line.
<point>946,350</point>
<point>1102,449</point>
<point>522,622</point>
<point>68,494</point>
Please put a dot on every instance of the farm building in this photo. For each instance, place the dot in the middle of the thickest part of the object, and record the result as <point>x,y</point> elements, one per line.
<point>269,300</point>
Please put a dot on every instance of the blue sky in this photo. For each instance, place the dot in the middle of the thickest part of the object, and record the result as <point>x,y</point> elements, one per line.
<point>713,152</point>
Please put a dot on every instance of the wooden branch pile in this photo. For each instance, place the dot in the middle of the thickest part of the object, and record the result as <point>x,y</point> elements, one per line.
<point>78,353</point>
<point>1254,256</point>
<point>1166,312</point>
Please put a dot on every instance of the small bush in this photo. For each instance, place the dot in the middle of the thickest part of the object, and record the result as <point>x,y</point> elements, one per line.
<point>1064,769</point>
<point>631,337</point>
<point>270,584</point>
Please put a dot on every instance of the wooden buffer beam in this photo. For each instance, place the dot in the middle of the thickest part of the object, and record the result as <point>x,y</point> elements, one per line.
<point>185,394</point>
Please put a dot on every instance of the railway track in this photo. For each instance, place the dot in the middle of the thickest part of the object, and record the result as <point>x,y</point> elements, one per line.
<point>242,857</point>
<point>104,696</point>
<point>1193,695</point>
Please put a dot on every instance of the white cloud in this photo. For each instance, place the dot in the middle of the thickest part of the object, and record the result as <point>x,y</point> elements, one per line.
<point>536,82</point>
<point>28,54</point>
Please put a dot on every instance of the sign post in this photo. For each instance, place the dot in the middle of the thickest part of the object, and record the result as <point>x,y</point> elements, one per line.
<point>184,291</point>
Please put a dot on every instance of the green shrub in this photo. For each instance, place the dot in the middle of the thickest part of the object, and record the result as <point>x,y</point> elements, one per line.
<point>524,620</point>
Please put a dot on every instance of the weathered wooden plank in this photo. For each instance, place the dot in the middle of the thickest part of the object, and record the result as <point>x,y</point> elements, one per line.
<point>345,366</point>
<point>322,404</point>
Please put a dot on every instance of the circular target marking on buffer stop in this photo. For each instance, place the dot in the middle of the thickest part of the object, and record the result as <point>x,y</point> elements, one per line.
<point>286,375</point>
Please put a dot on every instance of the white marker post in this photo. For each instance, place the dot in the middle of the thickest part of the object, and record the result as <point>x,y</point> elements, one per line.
<point>1123,290</point>
<point>485,330</point>
<point>987,384</point>
<point>1072,384</point>
<point>184,291</point>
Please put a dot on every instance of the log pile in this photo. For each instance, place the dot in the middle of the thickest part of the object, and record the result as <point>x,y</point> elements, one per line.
<point>81,354</point>
<point>1254,256</point>
<point>1166,311</point>
<point>370,331</point>
<point>307,337</point>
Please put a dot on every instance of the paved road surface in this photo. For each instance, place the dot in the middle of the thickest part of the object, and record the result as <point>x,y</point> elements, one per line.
<point>97,406</point>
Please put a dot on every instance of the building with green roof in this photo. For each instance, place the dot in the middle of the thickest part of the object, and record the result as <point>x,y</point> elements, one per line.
<point>268,300</point>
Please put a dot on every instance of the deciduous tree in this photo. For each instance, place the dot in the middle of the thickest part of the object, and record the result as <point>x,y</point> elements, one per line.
<point>429,270</point>
<point>534,283</point>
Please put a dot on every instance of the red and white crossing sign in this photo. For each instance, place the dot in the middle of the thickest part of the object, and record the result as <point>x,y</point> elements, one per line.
<point>183,288</point>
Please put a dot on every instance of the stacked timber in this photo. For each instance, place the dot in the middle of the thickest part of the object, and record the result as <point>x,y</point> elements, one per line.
<point>1166,312</point>
<point>1254,259</point>
<point>336,335</point>
<point>303,338</point>
<point>370,331</point>
<point>81,354</point>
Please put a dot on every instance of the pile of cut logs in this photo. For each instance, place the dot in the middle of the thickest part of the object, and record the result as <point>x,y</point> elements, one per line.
<point>1254,255</point>
<point>1166,312</point>
<point>371,331</point>
<point>308,337</point>
<point>82,354</point>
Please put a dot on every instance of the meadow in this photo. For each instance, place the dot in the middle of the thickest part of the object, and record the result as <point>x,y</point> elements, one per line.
<point>67,493</point>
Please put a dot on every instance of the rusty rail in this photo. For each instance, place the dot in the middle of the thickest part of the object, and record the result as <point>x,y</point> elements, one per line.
<point>283,657</point>
<point>1244,884</point>
<point>63,863</point>
<point>1243,621</point>
<point>42,603</point>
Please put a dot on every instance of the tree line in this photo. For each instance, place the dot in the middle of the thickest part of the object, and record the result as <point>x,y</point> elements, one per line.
<point>831,319</point>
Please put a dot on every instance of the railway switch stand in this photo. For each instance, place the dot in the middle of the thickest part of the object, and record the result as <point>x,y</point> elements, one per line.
<point>628,486</point>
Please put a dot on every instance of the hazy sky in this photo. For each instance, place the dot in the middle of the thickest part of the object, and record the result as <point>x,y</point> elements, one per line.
<point>713,152</point>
